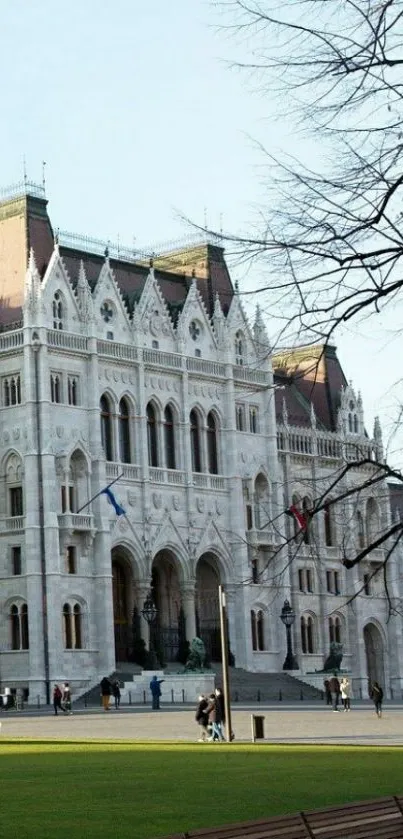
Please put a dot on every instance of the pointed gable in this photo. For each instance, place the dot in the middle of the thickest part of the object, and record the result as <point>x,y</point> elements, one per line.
<point>110,313</point>
<point>194,327</point>
<point>152,317</point>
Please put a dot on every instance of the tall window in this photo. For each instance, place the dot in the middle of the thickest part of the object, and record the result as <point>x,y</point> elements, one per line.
<point>307,634</point>
<point>56,387</point>
<point>57,311</point>
<point>239,349</point>
<point>169,437</point>
<point>257,628</point>
<point>212,444</point>
<point>72,390</point>
<point>19,637</point>
<point>306,510</point>
<point>16,501</point>
<point>372,520</point>
<point>124,432</point>
<point>152,438</point>
<point>305,579</point>
<point>253,420</point>
<point>360,530</point>
<point>71,564</point>
<point>106,427</point>
<point>335,630</point>
<point>16,560</point>
<point>333,582</point>
<point>72,626</point>
<point>195,441</point>
<point>240,417</point>
<point>328,516</point>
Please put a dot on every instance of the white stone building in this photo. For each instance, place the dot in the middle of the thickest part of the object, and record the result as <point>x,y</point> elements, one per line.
<point>111,368</point>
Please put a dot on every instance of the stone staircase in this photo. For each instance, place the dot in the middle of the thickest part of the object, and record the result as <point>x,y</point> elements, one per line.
<point>244,686</point>
<point>263,687</point>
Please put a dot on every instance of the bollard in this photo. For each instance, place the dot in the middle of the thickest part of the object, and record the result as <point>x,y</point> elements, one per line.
<point>360,692</point>
<point>85,701</point>
<point>183,695</point>
<point>38,701</point>
<point>130,697</point>
<point>257,727</point>
<point>280,696</point>
<point>236,696</point>
<point>301,696</point>
<point>258,696</point>
<point>322,695</point>
<point>144,697</point>
<point>172,696</point>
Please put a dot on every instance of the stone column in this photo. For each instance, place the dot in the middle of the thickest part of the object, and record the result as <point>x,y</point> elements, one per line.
<point>188,593</point>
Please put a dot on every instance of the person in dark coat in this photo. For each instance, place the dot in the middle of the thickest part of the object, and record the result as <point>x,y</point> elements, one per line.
<point>377,698</point>
<point>214,718</point>
<point>219,697</point>
<point>155,688</point>
<point>57,699</point>
<point>201,718</point>
<point>116,693</point>
<point>334,685</point>
<point>328,692</point>
<point>106,690</point>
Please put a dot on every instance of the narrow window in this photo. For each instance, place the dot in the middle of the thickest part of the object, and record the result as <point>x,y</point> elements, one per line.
<point>57,311</point>
<point>195,441</point>
<point>255,575</point>
<point>6,392</point>
<point>309,630</point>
<point>15,628</point>
<point>306,510</point>
<point>337,630</point>
<point>331,631</point>
<point>67,627</point>
<point>303,635</point>
<point>253,421</point>
<point>253,629</point>
<point>301,579</point>
<point>336,582</point>
<point>239,349</point>
<point>260,630</point>
<point>329,581</point>
<point>124,432</point>
<point>367,584</point>
<point>72,390</point>
<point>249,517</point>
<point>212,444</point>
<point>16,560</point>
<point>240,417</point>
<point>169,436</point>
<point>71,566</point>
<point>327,514</point>
<point>24,627</point>
<point>77,627</point>
<point>55,387</point>
<point>106,428</point>
<point>152,436</point>
<point>309,580</point>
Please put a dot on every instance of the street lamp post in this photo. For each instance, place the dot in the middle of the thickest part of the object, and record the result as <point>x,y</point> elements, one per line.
<point>288,617</point>
<point>150,612</point>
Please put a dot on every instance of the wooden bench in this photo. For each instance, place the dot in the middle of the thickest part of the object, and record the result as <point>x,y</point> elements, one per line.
<point>379,819</point>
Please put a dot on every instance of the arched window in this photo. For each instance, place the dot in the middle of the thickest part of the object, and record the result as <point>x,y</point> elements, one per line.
<point>55,387</point>
<point>306,511</point>
<point>195,441</point>
<point>239,349</point>
<point>328,521</point>
<point>77,627</point>
<point>350,423</point>
<point>360,529</point>
<point>335,630</point>
<point>106,427</point>
<point>124,432</point>
<point>307,634</point>
<point>57,309</point>
<point>67,627</point>
<point>212,444</point>
<point>24,627</point>
<point>15,634</point>
<point>253,630</point>
<point>372,523</point>
<point>240,417</point>
<point>152,438</point>
<point>355,424</point>
<point>169,437</point>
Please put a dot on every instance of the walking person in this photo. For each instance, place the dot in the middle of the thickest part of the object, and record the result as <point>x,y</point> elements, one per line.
<point>57,699</point>
<point>345,689</point>
<point>106,690</point>
<point>155,688</point>
<point>214,718</point>
<point>201,718</point>
<point>377,698</point>
<point>66,699</point>
<point>334,685</point>
<point>219,696</point>
<point>116,693</point>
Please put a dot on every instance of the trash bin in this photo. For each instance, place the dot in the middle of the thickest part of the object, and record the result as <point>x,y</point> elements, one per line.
<point>257,727</point>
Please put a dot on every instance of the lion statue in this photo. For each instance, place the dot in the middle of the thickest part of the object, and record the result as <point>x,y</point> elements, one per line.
<point>197,655</point>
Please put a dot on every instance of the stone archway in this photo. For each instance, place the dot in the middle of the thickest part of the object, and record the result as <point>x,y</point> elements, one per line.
<point>207,605</point>
<point>165,583</point>
<point>123,590</point>
<point>374,651</point>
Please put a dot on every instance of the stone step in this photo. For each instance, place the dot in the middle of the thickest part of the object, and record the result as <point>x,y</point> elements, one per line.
<point>255,687</point>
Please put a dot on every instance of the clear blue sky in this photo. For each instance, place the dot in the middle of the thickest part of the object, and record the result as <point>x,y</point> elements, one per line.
<point>136,113</point>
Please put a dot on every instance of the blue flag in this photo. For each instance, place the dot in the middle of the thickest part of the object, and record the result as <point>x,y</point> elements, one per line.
<point>118,509</point>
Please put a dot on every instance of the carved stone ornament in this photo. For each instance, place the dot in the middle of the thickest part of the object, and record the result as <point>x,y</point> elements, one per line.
<point>176,502</point>
<point>59,430</point>
<point>218,507</point>
<point>123,525</point>
<point>16,433</point>
<point>131,498</point>
<point>155,323</point>
<point>200,504</point>
<point>157,500</point>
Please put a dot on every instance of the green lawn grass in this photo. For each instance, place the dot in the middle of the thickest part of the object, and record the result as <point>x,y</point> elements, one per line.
<point>135,790</point>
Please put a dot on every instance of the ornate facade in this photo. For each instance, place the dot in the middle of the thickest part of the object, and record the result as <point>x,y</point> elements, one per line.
<point>151,375</point>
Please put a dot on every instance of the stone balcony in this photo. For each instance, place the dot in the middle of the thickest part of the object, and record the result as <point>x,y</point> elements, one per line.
<point>13,524</point>
<point>76,522</point>
<point>260,538</point>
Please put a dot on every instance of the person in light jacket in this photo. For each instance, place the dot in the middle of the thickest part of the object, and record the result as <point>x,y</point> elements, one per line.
<point>345,689</point>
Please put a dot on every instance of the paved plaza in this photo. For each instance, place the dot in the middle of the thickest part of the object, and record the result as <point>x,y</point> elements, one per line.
<point>283,724</point>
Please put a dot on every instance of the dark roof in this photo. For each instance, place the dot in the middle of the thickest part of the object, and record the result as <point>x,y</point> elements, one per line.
<point>305,376</point>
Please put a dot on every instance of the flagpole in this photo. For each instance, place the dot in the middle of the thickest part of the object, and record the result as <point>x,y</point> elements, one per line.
<point>87,503</point>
